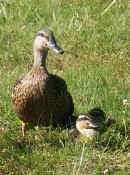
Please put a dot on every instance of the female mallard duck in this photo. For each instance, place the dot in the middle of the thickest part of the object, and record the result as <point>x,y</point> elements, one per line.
<point>41,98</point>
<point>90,124</point>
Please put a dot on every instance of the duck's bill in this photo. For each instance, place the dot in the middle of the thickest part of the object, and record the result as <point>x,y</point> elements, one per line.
<point>93,125</point>
<point>56,48</point>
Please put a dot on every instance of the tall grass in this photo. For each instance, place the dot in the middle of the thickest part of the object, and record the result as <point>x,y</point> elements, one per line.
<point>96,68</point>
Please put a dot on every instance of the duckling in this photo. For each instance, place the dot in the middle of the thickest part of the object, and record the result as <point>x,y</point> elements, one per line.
<point>90,124</point>
<point>41,98</point>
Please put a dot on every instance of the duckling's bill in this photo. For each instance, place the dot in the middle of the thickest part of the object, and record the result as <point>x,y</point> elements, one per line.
<point>92,125</point>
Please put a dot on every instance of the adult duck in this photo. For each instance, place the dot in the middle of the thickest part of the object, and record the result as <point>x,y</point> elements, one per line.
<point>40,98</point>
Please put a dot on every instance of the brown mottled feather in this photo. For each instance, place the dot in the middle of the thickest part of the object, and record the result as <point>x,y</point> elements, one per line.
<point>42,98</point>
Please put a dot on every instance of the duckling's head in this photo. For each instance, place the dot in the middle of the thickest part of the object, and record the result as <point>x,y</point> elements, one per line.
<point>86,125</point>
<point>45,40</point>
<point>85,121</point>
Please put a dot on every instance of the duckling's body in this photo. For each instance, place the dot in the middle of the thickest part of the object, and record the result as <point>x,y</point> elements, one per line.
<point>41,98</point>
<point>90,124</point>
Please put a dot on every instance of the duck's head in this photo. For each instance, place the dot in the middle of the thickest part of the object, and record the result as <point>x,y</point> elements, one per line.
<point>87,126</point>
<point>84,121</point>
<point>45,40</point>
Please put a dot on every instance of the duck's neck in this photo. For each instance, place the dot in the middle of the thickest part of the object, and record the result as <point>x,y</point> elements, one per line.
<point>40,58</point>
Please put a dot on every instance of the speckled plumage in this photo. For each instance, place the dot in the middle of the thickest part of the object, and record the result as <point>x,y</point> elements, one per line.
<point>41,98</point>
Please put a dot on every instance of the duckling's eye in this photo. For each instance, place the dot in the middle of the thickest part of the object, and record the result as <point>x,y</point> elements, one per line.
<point>83,118</point>
<point>42,35</point>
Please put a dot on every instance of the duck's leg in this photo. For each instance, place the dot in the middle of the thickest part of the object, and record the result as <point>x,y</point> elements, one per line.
<point>23,128</point>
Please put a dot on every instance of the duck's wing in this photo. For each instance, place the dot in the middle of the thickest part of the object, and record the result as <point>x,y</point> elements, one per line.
<point>59,83</point>
<point>59,100</point>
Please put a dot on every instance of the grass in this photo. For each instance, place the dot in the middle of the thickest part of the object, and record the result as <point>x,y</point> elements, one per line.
<point>96,68</point>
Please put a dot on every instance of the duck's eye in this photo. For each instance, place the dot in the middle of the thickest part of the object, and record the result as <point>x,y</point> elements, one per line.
<point>42,35</point>
<point>83,118</point>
